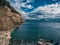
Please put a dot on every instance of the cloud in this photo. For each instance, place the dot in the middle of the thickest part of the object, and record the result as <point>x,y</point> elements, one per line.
<point>29,6</point>
<point>23,4</point>
<point>26,6</point>
<point>18,6</point>
<point>49,11</point>
<point>29,1</point>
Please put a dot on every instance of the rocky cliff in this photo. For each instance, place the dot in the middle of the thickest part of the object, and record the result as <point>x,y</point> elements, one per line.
<point>9,20</point>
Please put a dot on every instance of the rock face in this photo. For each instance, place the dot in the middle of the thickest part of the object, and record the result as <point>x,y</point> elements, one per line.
<point>8,22</point>
<point>8,19</point>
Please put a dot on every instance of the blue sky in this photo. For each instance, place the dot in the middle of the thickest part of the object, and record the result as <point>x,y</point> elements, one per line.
<point>38,9</point>
<point>35,3</point>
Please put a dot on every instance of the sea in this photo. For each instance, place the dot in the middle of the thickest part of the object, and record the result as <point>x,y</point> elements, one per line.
<point>33,30</point>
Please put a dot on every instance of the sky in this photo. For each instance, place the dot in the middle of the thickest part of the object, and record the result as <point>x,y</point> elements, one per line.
<point>37,9</point>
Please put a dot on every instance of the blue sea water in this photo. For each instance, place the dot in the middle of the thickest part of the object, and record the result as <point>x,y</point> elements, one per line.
<point>34,30</point>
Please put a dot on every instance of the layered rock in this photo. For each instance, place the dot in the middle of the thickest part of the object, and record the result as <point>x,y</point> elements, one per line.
<point>8,22</point>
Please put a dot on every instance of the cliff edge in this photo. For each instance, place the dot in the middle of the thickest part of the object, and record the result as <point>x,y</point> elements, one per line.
<point>9,20</point>
<point>9,17</point>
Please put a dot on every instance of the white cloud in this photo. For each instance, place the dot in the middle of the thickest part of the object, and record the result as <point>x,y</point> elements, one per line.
<point>23,14</point>
<point>28,1</point>
<point>23,4</point>
<point>49,9</point>
<point>29,6</point>
<point>26,6</point>
<point>17,6</point>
